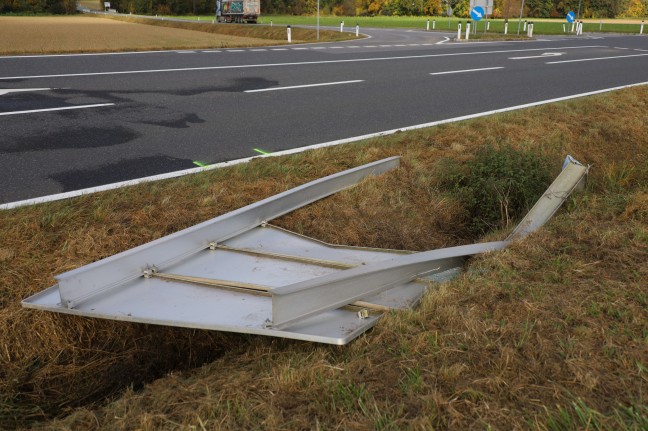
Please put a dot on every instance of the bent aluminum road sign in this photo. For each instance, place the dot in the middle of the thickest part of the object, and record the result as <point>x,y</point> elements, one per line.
<point>237,273</point>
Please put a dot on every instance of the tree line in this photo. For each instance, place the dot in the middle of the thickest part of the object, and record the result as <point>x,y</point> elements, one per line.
<point>459,8</point>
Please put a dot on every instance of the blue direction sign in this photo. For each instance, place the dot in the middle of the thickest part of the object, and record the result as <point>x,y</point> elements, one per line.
<point>477,13</point>
<point>571,17</point>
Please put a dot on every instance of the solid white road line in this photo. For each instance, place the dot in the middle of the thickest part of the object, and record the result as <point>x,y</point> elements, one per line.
<point>65,108</point>
<point>91,190</point>
<point>292,87</point>
<point>305,63</point>
<point>545,55</point>
<point>597,58</point>
<point>466,70</point>
<point>22,90</point>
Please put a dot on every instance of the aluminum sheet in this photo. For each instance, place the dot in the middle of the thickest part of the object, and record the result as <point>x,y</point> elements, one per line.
<point>80,284</point>
<point>158,301</point>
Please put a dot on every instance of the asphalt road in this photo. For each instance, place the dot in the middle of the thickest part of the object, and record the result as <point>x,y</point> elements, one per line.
<point>81,121</point>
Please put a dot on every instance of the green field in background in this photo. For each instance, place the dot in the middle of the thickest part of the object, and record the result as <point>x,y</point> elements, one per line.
<point>541,26</point>
<point>443,23</point>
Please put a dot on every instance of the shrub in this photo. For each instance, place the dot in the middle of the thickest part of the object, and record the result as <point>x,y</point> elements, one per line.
<point>498,186</point>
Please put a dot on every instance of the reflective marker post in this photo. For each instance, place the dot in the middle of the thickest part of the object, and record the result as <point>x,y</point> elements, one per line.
<point>289,31</point>
<point>459,31</point>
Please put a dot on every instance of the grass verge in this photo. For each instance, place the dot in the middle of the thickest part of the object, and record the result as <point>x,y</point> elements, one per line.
<point>542,26</point>
<point>54,35</point>
<point>549,334</point>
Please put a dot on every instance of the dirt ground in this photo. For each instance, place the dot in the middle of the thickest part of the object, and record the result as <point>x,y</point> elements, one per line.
<point>21,35</point>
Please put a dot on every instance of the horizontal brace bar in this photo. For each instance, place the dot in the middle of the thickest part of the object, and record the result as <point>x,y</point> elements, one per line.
<point>249,287</point>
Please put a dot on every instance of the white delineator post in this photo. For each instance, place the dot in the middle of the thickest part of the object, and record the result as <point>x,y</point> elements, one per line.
<point>564,29</point>
<point>427,25</point>
<point>531,30</point>
<point>289,32</point>
<point>459,31</point>
<point>641,28</point>
<point>487,25</point>
<point>468,30</point>
<point>506,27</point>
<point>357,30</point>
<point>433,24</point>
<point>573,25</point>
<point>341,26</point>
<point>525,25</point>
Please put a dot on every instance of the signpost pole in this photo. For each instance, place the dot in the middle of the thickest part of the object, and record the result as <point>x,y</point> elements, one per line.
<point>578,13</point>
<point>520,20</point>
<point>318,16</point>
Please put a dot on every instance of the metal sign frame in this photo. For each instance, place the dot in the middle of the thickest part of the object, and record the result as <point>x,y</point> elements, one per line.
<point>237,273</point>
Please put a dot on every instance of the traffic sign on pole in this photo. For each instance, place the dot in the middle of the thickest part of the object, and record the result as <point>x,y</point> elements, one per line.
<point>477,13</point>
<point>571,17</point>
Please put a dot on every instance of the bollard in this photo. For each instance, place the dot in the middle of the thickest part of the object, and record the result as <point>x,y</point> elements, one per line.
<point>459,31</point>
<point>600,25</point>
<point>433,24</point>
<point>270,23</point>
<point>357,30</point>
<point>341,26</point>
<point>427,25</point>
<point>573,24</point>
<point>525,25</point>
<point>289,30</point>
<point>467,30</point>
<point>487,25</point>
<point>641,28</point>
<point>564,29</point>
<point>506,28</point>
<point>531,30</point>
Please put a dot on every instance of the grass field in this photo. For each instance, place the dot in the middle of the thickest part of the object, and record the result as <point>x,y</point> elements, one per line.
<point>40,35</point>
<point>551,334</point>
<point>497,26</point>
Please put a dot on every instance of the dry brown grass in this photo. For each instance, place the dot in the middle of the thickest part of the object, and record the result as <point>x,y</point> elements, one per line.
<point>52,35</point>
<point>530,337</point>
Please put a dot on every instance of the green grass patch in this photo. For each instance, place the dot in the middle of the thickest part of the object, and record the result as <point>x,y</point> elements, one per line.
<point>450,24</point>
